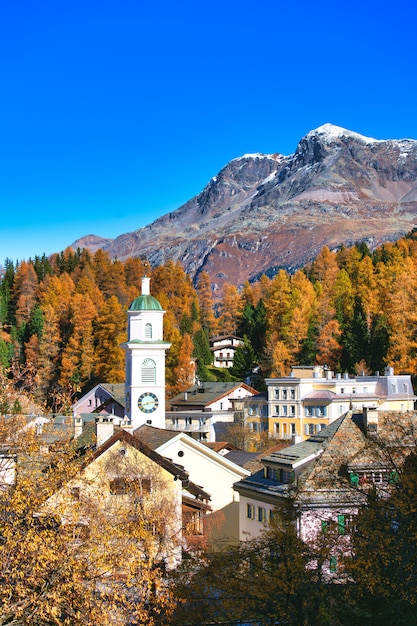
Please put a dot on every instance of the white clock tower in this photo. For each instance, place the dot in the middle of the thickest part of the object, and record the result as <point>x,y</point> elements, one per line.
<point>145,361</point>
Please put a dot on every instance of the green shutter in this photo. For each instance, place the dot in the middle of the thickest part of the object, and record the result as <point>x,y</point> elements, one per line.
<point>333,564</point>
<point>354,478</point>
<point>323,526</point>
<point>341,524</point>
<point>393,477</point>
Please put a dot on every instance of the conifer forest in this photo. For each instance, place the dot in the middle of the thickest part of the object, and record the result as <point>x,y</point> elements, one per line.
<point>63,318</point>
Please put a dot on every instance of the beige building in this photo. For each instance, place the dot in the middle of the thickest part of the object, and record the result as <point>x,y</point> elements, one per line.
<point>311,397</point>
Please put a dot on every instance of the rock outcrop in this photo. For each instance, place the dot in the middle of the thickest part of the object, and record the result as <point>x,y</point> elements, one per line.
<point>265,212</point>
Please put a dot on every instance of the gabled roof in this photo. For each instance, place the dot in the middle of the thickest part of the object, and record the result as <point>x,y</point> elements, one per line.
<point>177,471</point>
<point>248,460</point>
<point>325,458</point>
<point>115,390</point>
<point>299,453</point>
<point>126,437</point>
<point>219,446</point>
<point>159,438</point>
<point>206,393</point>
<point>154,437</point>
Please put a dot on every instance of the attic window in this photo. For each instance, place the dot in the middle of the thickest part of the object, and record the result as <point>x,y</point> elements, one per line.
<point>121,486</point>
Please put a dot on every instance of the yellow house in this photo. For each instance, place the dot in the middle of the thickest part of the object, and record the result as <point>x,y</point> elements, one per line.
<point>130,500</point>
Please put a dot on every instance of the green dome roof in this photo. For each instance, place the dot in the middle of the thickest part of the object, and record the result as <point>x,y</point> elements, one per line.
<point>145,303</point>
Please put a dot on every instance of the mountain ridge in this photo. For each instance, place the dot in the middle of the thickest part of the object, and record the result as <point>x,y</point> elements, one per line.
<point>263,212</point>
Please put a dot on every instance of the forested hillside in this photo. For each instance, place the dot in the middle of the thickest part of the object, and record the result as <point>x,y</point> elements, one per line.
<point>62,319</point>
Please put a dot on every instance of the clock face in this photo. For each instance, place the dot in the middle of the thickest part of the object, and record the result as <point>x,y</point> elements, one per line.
<point>148,402</point>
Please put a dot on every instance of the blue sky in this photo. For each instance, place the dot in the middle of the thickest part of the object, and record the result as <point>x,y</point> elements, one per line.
<point>114,113</point>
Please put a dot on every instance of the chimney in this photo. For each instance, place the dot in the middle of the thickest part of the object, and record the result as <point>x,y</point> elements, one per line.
<point>370,420</point>
<point>104,428</point>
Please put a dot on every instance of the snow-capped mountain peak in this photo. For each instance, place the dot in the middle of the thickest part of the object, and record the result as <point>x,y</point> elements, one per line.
<point>330,132</point>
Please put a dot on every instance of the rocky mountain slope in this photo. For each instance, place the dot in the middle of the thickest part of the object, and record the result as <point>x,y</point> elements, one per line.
<point>264,212</point>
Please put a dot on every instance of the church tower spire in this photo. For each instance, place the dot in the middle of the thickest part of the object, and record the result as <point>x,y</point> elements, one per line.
<point>145,361</point>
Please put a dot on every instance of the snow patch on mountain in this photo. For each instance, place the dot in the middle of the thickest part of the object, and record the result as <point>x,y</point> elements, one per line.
<point>330,132</point>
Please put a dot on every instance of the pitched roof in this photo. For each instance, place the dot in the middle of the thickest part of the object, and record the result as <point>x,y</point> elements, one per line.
<point>323,460</point>
<point>207,393</point>
<point>116,390</point>
<point>218,446</point>
<point>154,437</point>
<point>248,460</point>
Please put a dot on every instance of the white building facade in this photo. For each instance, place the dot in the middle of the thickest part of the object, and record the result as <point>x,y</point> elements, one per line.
<point>312,397</point>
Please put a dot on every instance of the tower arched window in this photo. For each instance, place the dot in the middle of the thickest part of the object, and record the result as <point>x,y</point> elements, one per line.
<point>148,372</point>
<point>148,331</point>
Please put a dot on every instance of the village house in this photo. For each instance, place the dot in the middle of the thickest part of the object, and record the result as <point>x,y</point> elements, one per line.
<point>206,409</point>
<point>215,471</point>
<point>311,397</point>
<point>223,348</point>
<point>125,467</point>
<point>328,475</point>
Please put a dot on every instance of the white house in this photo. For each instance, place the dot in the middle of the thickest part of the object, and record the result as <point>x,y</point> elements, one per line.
<point>328,475</point>
<point>223,348</point>
<point>215,472</point>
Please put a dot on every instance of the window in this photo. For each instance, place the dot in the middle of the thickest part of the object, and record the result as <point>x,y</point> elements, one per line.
<point>277,410</point>
<point>188,421</point>
<point>272,473</point>
<point>277,429</point>
<point>309,411</point>
<point>261,514</point>
<point>292,410</point>
<point>271,516</point>
<point>250,511</point>
<point>293,431</point>
<point>284,394</point>
<point>119,486</point>
<point>284,409</point>
<point>320,411</point>
<point>276,394</point>
<point>287,476</point>
<point>174,421</point>
<point>75,493</point>
<point>148,331</point>
<point>90,402</point>
<point>309,429</point>
<point>148,371</point>
<point>292,394</point>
